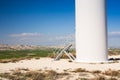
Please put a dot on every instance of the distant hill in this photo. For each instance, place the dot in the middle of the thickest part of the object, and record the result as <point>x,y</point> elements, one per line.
<point>16,47</point>
<point>25,47</point>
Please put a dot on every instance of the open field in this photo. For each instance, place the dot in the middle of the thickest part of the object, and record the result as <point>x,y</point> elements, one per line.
<point>39,64</point>
<point>41,52</point>
<point>48,69</point>
<point>16,55</point>
<point>9,54</point>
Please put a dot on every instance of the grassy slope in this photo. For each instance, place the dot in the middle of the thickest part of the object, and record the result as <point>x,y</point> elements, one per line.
<point>8,54</point>
<point>44,52</point>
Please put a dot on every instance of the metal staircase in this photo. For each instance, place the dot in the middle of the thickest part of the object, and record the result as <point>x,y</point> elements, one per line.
<point>66,51</point>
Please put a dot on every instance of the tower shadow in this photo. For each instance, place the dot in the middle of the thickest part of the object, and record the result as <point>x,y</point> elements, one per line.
<point>114,59</point>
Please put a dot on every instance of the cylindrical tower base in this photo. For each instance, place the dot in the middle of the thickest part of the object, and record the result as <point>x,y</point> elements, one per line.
<point>91,32</point>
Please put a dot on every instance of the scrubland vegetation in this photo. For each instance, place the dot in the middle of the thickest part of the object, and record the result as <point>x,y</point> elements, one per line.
<point>7,54</point>
<point>16,55</point>
<point>33,75</point>
<point>77,74</point>
<point>26,74</point>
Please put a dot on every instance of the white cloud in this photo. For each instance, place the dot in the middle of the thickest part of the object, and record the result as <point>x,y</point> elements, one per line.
<point>114,39</point>
<point>48,39</point>
<point>42,39</point>
<point>114,34</point>
<point>25,34</point>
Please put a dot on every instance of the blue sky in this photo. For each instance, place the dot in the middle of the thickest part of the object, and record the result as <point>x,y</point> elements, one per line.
<point>48,22</point>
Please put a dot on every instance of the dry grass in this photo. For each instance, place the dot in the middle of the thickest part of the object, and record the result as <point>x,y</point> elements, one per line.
<point>82,79</point>
<point>99,78</point>
<point>80,70</point>
<point>14,60</point>
<point>112,73</point>
<point>33,75</point>
<point>26,74</point>
<point>110,53</point>
<point>37,57</point>
<point>96,72</point>
<point>9,60</point>
<point>112,79</point>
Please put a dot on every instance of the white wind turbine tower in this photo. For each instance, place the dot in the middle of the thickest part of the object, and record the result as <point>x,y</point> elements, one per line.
<point>91,31</point>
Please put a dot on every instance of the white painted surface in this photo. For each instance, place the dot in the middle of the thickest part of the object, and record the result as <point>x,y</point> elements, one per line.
<point>91,34</point>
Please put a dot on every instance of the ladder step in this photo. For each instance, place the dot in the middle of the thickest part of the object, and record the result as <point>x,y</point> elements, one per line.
<point>63,51</point>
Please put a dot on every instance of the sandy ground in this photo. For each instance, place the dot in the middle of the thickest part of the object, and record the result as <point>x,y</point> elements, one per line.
<point>59,66</point>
